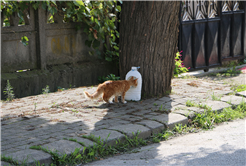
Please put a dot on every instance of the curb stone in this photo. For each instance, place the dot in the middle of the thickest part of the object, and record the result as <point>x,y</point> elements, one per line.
<point>216,105</point>
<point>155,127</point>
<point>243,93</point>
<point>114,135</point>
<point>128,129</point>
<point>63,147</point>
<point>234,100</point>
<point>171,119</point>
<point>30,156</point>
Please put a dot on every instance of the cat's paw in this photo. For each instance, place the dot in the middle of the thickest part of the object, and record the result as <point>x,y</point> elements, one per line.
<point>110,102</point>
<point>124,102</point>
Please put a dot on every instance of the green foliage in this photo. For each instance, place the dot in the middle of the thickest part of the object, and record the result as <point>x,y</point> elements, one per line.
<point>24,40</point>
<point>46,90</point>
<point>239,88</point>
<point>8,91</point>
<point>109,77</point>
<point>190,103</point>
<point>9,160</point>
<point>98,19</point>
<point>232,72</point>
<point>62,159</point>
<point>215,97</point>
<point>207,119</point>
<point>179,67</point>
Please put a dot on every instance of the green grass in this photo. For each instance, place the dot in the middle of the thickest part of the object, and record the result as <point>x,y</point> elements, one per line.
<point>239,88</point>
<point>215,97</point>
<point>9,160</point>
<point>190,103</point>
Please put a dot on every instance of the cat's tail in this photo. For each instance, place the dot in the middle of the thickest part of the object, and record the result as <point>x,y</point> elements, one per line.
<point>96,94</point>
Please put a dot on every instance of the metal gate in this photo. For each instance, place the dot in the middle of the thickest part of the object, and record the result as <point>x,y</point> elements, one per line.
<point>211,32</point>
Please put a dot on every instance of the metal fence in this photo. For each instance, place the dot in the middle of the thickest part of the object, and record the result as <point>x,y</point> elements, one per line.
<point>211,32</point>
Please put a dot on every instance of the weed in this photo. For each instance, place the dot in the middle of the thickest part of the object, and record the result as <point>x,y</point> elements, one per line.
<point>217,98</point>
<point>9,159</point>
<point>58,159</point>
<point>46,90</point>
<point>109,77</point>
<point>232,72</point>
<point>239,88</point>
<point>190,103</point>
<point>179,66</point>
<point>8,91</point>
<point>207,119</point>
<point>155,104</point>
<point>35,107</point>
<point>204,106</point>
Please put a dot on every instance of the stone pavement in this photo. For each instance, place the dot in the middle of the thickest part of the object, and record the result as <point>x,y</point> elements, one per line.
<point>47,119</point>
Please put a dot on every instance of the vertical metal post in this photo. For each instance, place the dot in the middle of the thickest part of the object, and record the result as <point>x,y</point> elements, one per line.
<point>219,31</point>
<point>180,28</point>
<point>244,30</point>
<point>231,31</point>
<point>1,44</point>
<point>193,36</point>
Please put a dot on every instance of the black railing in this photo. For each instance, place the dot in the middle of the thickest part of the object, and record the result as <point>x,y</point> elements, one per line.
<point>211,32</point>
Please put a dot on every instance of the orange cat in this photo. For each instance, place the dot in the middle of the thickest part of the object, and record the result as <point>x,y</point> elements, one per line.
<point>113,89</point>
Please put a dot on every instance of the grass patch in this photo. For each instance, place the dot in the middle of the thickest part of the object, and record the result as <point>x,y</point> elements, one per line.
<point>190,103</point>
<point>9,160</point>
<point>215,97</point>
<point>239,88</point>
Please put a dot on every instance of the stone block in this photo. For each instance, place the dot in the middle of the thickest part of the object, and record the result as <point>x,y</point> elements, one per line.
<point>243,93</point>
<point>129,129</point>
<point>155,127</point>
<point>170,120</point>
<point>216,105</point>
<point>234,100</point>
<point>185,112</point>
<point>3,163</point>
<point>87,142</point>
<point>30,157</point>
<point>109,136</point>
<point>63,146</point>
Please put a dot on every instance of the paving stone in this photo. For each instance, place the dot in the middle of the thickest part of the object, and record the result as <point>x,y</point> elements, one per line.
<point>128,129</point>
<point>3,163</point>
<point>243,93</point>
<point>216,105</point>
<point>63,146</point>
<point>165,99</point>
<point>30,156</point>
<point>155,127</point>
<point>108,135</point>
<point>180,100</point>
<point>171,119</point>
<point>86,142</point>
<point>234,100</point>
<point>185,112</point>
<point>142,112</point>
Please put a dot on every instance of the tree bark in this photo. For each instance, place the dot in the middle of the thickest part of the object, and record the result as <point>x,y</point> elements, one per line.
<point>148,38</point>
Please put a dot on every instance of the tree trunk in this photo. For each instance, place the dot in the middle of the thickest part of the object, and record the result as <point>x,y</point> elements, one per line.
<point>148,38</point>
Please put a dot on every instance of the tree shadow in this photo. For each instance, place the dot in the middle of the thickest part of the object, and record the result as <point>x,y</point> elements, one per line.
<point>58,126</point>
